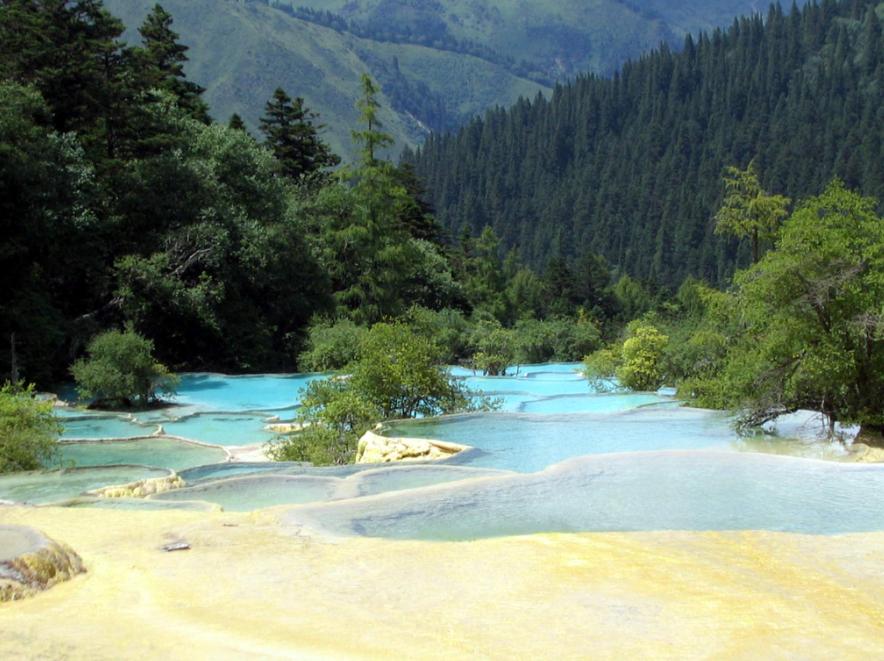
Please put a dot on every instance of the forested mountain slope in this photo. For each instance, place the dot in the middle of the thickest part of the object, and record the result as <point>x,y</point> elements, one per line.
<point>439,63</point>
<point>630,166</point>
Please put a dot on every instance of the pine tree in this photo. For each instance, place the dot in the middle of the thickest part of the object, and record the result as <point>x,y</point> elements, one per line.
<point>371,139</point>
<point>162,59</point>
<point>294,138</point>
<point>236,123</point>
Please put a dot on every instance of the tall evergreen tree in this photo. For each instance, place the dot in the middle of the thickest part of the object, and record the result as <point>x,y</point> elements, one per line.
<point>294,138</point>
<point>162,59</point>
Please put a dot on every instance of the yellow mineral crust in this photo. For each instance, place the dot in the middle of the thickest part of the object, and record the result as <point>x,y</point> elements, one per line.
<point>376,449</point>
<point>249,588</point>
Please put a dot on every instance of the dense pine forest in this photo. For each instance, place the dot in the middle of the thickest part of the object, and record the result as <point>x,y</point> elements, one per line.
<point>630,166</point>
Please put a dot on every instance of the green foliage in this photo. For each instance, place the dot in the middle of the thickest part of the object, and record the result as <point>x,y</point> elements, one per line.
<point>29,430</point>
<point>334,416</point>
<point>811,316</point>
<point>561,339</point>
<point>747,211</point>
<point>331,345</point>
<point>396,375</point>
<point>638,363</point>
<point>294,137</point>
<point>399,372</point>
<point>494,348</point>
<point>161,59</point>
<point>447,329</point>
<point>641,366</point>
<point>600,367</point>
<point>120,369</point>
<point>800,93</point>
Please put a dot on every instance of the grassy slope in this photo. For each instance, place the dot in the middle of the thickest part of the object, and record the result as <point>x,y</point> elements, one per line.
<point>560,37</point>
<point>242,52</point>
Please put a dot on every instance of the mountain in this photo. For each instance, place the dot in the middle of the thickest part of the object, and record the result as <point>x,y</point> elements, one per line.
<point>439,63</point>
<point>630,166</point>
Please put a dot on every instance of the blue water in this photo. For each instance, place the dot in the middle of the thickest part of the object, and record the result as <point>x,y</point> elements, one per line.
<point>161,452</point>
<point>42,487</point>
<point>95,427</point>
<point>221,429</point>
<point>620,461</point>
<point>626,492</point>
<point>221,393</point>
<point>528,443</point>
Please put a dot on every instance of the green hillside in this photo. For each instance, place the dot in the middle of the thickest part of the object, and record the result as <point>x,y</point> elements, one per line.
<point>630,167</point>
<point>242,51</point>
<point>439,64</point>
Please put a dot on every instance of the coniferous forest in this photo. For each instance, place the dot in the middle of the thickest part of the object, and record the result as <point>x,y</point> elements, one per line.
<point>534,234</point>
<point>630,166</point>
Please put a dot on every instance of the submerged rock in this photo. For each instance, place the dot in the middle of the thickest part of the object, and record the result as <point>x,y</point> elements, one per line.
<point>30,562</point>
<point>376,449</point>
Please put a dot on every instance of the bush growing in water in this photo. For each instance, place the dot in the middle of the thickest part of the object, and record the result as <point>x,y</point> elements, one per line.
<point>560,339</point>
<point>396,375</point>
<point>121,370</point>
<point>638,363</point>
<point>28,430</point>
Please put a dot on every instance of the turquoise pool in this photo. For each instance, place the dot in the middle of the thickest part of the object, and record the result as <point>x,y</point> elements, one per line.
<point>527,443</point>
<point>162,452</point>
<point>625,492</point>
<point>560,455</point>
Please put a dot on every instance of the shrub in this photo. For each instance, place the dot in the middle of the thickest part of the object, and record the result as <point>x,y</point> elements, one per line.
<point>642,357</point>
<point>560,339</point>
<point>28,430</point>
<point>494,348</point>
<point>600,367</point>
<point>121,370</point>
<point>396,375</point>
<point>331,345</point>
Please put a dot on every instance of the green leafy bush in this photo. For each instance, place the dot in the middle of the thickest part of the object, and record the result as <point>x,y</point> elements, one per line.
<point>600,367</point>
<point>331,345</point>
<point>121,370</point>
<point>28,430</point>
<point>560,339</point>
<point>642,358</point>
<point>638,363</point>
<point>396,375</point>
<point>494,348</point>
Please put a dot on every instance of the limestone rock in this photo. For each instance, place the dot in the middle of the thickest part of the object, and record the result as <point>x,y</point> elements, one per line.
<point>283,427</point>
<point>30,562</point>
<point>376,449</point>
<point>142,488</point>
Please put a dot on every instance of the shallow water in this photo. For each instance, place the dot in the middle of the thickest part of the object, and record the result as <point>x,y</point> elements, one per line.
<point>550,414</point>
<point>627,492</point>
<point>241,494</point>
<point>53,486</point>
<point>221,429</point>
<point>528,443</point>
<point>95,427</point>
<point>224,393</point>
<point>159,451</point>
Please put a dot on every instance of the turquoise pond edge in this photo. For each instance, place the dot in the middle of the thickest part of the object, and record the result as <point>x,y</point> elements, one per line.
<point>255,485</point>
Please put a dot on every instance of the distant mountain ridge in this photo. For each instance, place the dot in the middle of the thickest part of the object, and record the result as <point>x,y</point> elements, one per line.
<point>630,166</point>
<point>439,63</point>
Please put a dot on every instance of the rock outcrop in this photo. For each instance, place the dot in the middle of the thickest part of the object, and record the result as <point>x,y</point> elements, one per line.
<point>376,449</point>
<point>30,562</point>
<point>142,488</point>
